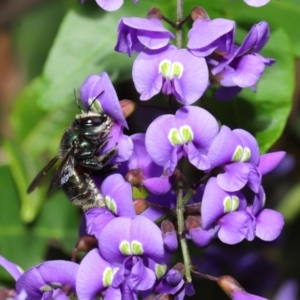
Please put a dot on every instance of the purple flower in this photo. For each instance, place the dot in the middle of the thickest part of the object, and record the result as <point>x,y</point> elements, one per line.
<point>48,280</point>
<point>117,195</point>
<point>172,71</point>
<point>207,36</point>
<point>237,152</point>
<point>244,66</point>
<point>100,87</point>
<point>256,3</point>
<point>136,34</point>
<point>266,223</point>
<point>228,210</point>
<point>150,174</point>
<point>110,5</point>
<point>189,133</point>
<point>121,266</point>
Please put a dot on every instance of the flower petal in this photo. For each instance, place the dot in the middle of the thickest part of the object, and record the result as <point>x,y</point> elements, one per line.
<point>14,270</point>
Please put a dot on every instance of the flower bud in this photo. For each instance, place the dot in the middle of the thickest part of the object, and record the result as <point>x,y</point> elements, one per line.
<point>128,107</point>
<point>135,177</point>
<point>140,205</point>
<point>169,236</point>
<point>229,285</point>
<point>154,13</point>
<point>193,222</point>
<point>86,243</point>
<point>199,13</point>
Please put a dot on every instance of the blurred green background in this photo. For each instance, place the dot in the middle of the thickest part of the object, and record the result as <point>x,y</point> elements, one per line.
<point>48,48</point>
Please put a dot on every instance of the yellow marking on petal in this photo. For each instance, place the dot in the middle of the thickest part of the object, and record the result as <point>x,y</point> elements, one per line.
<point>174,137</point>
<point>231,203</point>
<point>46,288</point>
<point>137,248</point>
<point>235,202</point>
<point>111,204</point>
<point>264,200</point>
<point>20,270</point>
<point>160,270</point>
<point>165,67</point>
<point>107,276</point>
<point>186,133</point>
<point>96,106</point>
<point>176,69</point>
<point>56,285</point>
<point>238,154</point>
<point>246,155</point>
<point>125,248</point>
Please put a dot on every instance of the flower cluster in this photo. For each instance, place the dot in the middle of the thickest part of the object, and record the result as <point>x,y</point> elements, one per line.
<point>210,57</point>
<point>131,256</point>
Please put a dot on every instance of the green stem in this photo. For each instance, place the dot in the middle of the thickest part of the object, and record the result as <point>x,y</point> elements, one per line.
<point>179,15</point>
<point>181,231</point>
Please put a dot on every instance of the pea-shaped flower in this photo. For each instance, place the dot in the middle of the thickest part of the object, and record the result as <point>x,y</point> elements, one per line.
<point>188,133</point>
<point>170,70</point>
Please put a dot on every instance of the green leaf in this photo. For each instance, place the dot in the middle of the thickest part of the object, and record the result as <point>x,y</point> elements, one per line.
<point>265,112</point>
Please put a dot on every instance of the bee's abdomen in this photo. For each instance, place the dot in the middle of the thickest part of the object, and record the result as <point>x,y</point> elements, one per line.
<point>81,190</point>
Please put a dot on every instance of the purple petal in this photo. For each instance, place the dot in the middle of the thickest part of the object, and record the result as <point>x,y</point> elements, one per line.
<point>234,227</point>
<point>254,180</point>
<point>170,241</point>
<point>93,86</point>
<point>257,3</point>
<point>110,5</point>
<point>203,125</point>
<point>97,219</point>
<point>287,290</point>
<point>145,72</point>
<point>248,70</point>
<point>118,195</point>
<point>113,293</point>
<point>157,143</point>
<point>141,278</point>
<point>197,159</point>
<point>268,162</point>
<point>201,237</point>
<point>223,147</point>
<point>235,177</point>
<point>194,80</point>
<point>206,36</point>
<point>149,234</point>
<point>213,206</point>
<point>269,224</point>
<point>116,231</point>
<point>89,281</point>
<point>158,185</point>
<point>250,142</point>
<point>14,270</point>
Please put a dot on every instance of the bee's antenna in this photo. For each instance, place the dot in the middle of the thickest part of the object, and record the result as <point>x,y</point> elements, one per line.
<point>76,100</point>
<point>95,100</point>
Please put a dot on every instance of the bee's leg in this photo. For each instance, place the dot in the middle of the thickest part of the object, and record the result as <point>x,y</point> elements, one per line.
<point>99,162</point>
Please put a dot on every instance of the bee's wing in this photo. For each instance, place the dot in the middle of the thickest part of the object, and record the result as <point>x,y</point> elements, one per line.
<point>68,161</point>
<point>39,177</point>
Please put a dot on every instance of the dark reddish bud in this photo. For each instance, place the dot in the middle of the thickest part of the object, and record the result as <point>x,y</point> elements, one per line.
<point>154,13</point>
<point>128,107</point>
<point>229,285</point>
<point>167,226</point>
<point>7,293</point>
<point>199,13</point>
<point>84,244</point>
<point>193,222</point>
<point>135,177</point>
<point>140,205</point>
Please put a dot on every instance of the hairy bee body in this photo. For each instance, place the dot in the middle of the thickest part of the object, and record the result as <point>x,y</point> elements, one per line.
<point>78,153</point>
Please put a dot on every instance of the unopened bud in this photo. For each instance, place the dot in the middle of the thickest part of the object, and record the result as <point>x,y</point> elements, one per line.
<point>167,226</point>
<point>199,13</point>
<point>180,268</point>
<point>229,285</point>
<point>135,177</point>
<point>140,205</point>
<point>154,13</point>
<point>193,222</point>
<point>128,107</point>
<point>86,243</point>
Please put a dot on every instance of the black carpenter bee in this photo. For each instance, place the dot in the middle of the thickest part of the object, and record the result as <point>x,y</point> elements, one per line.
<point>79,157</point>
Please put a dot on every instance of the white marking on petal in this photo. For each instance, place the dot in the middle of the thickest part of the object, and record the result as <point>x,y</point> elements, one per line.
<point>186,133</point>
<point>111,204</point>
<point>169,69</point>
<point>107,276</point>
<point>238,154</point>
<point>246,154</point>
<point>125,248</point>
<point>175,137</point>
<point>137,247</point>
